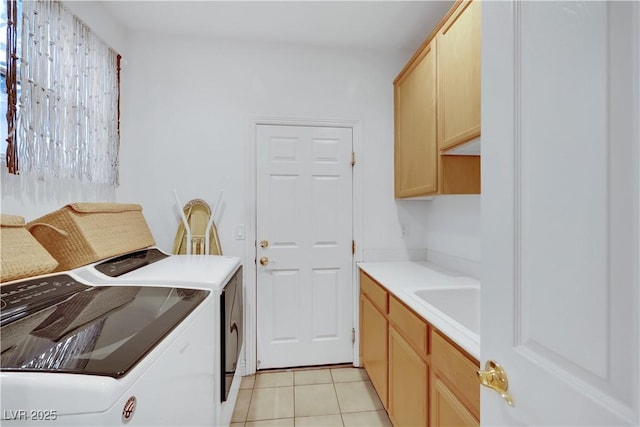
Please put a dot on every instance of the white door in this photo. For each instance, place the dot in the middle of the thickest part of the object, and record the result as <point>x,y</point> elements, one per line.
<point>560,215</point>
<point>304,221</point>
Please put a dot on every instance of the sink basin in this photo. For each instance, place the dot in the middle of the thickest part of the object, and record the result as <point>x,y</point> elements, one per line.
<point>460,304</point>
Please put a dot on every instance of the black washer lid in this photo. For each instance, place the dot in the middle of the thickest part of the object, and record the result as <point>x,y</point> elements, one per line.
<point>102,330</point>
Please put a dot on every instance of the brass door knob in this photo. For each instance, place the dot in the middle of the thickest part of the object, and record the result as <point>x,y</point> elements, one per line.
<point>264,260</point>
<point>495,378</point>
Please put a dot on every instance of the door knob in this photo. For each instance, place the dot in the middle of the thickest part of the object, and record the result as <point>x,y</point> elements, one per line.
<point>495,378</point>
<point>264,243</point>
<point>264,260</point>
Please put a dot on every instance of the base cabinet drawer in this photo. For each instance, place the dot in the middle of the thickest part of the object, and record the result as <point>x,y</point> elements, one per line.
<point>376,294</point>
<point>413,328</point>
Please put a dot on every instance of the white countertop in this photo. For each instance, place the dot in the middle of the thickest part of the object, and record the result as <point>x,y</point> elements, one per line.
<point>403,278</point>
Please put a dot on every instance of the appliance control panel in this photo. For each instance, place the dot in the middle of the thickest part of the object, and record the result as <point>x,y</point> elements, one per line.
<point>127,263</point>
<point>20,299</point>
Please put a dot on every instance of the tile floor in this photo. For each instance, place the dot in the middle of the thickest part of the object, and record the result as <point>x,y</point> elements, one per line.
<point>338,396</point>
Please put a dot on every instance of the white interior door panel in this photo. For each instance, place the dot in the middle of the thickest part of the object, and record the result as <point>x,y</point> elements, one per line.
<point>304,216</point>
<point>560,211</point>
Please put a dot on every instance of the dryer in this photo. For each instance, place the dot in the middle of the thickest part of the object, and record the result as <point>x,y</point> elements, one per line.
<point>78,354</point>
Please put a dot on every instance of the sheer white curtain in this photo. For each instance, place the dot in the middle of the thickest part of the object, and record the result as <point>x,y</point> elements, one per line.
<point>68,114</point>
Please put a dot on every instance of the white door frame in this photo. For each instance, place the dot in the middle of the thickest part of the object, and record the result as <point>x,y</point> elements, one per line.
<point>250,268</point>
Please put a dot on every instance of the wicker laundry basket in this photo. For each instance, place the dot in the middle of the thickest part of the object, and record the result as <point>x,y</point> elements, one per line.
<point>82,233</point>
<point>22,256</point>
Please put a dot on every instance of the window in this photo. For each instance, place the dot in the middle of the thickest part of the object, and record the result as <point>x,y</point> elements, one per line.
<point>68,121</point>
<point>3,108</point>
<point>3,74</point>
<point>10,40</point>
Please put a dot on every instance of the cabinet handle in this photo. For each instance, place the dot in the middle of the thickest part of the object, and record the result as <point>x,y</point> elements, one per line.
<point>495,378</point>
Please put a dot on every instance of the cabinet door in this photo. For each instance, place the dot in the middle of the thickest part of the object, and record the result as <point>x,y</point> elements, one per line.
<point>459,76</point>
<point>446,409</point>
<point>373,346</point>
<point>415,150</point>
<point>408,383</point>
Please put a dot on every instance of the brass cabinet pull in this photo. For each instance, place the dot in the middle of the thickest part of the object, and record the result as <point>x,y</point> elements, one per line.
<point>264,260</point>
<point>495,378</point>
<point>264,243</point>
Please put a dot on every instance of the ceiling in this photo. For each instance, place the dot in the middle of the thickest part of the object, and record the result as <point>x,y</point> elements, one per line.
<point>385,26</point>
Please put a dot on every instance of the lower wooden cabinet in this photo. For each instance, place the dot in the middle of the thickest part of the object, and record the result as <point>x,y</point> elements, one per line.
<point>373,346</point>
<point>422,378</point>
<point>408,383</point>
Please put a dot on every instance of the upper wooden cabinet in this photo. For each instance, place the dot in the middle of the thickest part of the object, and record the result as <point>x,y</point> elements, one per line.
<point>416,149</point>
<point>459,76</point>
<point>437,107</point>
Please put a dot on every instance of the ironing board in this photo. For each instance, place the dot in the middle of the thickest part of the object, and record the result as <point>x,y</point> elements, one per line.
<point>198,215</point>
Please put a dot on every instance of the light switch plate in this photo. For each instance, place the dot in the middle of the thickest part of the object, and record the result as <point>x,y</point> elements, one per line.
<point>240,232</point>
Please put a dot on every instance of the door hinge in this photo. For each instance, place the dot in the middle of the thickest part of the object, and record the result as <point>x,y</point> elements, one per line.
<point>353,247</point>
<point>353,335</point>
<point>353,158</point>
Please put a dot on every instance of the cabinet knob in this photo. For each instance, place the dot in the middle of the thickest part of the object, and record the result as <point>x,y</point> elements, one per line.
<point>495,378</point>
<point>264,243</point>
<point>264,260</point>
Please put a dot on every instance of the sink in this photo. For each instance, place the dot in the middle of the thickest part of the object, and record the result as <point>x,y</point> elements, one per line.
<point>461,304</point>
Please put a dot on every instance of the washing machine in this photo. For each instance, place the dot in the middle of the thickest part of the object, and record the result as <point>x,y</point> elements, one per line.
<point>221,275</point>
<point>74,353</point>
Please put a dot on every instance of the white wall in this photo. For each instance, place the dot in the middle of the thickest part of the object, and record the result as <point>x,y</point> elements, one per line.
<point>453,232</point>
<point>30,198</point>
<point>96,17</point>
<point>186,109</point>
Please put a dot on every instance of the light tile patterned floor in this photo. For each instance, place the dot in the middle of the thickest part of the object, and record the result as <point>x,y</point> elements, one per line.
<point>325,397</point>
